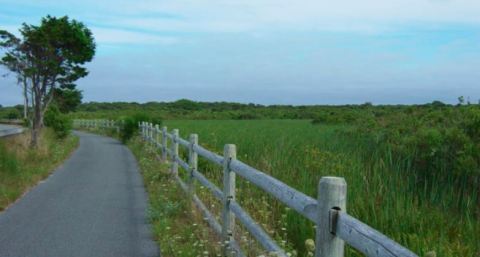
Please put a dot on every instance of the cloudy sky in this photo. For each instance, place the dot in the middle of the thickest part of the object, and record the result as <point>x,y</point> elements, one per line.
<point>270,51</point>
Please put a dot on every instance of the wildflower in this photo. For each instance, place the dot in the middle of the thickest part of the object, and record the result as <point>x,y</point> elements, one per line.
<point>310,245</point>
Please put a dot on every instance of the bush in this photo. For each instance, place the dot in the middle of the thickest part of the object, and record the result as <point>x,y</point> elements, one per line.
<point>13,114</point>
<point>59,122</point>
<point>130,125</point>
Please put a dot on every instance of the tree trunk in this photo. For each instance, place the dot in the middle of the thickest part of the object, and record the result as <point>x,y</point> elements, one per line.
<point>25,96</point>
<point>37,120</point>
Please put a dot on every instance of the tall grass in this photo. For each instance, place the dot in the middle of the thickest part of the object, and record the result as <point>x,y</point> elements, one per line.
<point>380,192</point>
<point>22,167</point>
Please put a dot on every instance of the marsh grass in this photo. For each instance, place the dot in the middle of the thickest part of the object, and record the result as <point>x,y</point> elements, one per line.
<point>380,189</point>
<point>22,167</point>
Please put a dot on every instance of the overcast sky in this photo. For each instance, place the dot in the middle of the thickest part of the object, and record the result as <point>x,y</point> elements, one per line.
<point>270,51</point>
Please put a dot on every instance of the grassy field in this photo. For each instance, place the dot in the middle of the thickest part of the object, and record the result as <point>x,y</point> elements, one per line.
<point>380,190</point>
<point>22,167</point>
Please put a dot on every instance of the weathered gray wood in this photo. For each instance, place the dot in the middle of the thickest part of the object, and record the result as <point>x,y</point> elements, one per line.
<point>150,132</point>
<point>211,219</point>
<point>213,157</point>
<point>366,239</point>
<point>182,163</point>
<point>164,143</point>
<point>332,194</point>
<point>303,204</point>
<point>205,182</point>
<point>174,152</point>
<point>256,230</point>
<point>157,135</point>
<point>183,142</point>
<point>193,161</point>
<point>228,218</point>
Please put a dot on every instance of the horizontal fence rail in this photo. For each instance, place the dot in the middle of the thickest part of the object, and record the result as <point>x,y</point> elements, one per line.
<point>334,227</point>
<point>98,124</point>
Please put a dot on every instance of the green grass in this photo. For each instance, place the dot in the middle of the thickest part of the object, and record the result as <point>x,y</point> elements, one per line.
<point>175,222</point>
<point>380,193</point>
<point>22,167</point>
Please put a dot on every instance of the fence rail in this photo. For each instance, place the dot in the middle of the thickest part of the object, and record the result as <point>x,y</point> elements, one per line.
<point>98,124</point>
<point>334,227</point>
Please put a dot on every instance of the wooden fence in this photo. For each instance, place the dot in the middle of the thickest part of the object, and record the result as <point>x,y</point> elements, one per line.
<point>334,227</point>
<point>98,124</point>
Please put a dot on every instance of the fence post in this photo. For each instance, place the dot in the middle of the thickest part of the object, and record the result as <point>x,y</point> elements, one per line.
<point>143,130</point>
<point>228,218</point>
<point>164,143</point>
<point>332,194</point>
<point>174,152</point>
<point>193,162</point>
<point>157,132</point>
<point>151,133</point>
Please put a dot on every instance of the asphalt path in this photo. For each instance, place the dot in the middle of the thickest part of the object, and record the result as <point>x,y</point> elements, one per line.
<point>6,130</point>
<point>93,205</point>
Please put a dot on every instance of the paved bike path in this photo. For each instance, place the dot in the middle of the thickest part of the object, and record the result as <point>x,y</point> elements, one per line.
<point>93,205</point>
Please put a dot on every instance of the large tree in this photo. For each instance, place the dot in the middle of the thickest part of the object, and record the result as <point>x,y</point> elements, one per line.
<point>68,99</point>
<point>46,58</point>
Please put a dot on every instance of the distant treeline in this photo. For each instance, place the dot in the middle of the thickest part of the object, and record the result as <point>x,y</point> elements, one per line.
<point>186,109</point>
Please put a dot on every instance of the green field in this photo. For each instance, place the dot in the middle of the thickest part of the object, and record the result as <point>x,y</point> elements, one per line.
<point>381,192</point>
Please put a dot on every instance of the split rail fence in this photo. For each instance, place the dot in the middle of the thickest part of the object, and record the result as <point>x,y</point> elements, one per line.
<point>334,226</point>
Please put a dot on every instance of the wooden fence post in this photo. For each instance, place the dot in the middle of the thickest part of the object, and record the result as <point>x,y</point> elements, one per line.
<point>157,132</point>
<point>193,162</point>
<point>164,143</point>
<point>145,134</point>
<point>332,194</point>
<point>151,133</point>
<point>228,218</point>
<point>175,152</point>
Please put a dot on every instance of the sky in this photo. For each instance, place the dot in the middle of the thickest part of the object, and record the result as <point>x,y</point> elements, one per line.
<point>270,51</point>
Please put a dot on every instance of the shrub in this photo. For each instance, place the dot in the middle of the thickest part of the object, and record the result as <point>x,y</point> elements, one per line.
<point>130,124</point>
<point>13,114</point>
<point>59,122</point>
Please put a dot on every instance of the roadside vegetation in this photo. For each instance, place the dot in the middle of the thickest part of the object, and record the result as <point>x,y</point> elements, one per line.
<point>176,225</point>
<point>22,167</point>
<point>413,172</point>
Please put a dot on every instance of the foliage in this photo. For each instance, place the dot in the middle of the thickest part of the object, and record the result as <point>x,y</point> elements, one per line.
<point>60,123</point>
<point>169,210</point>
<point>47,57</point>
<point>13,114</point>
<point>67,99</point>
<point>22,167</point>
<point>130,124</point>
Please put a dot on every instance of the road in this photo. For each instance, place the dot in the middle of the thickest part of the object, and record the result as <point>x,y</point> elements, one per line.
<point>93,205</point>
<point>6,130</point>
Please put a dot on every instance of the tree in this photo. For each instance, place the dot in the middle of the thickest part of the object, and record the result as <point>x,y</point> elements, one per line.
<point>47,57</point>
<point>68,99</point>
